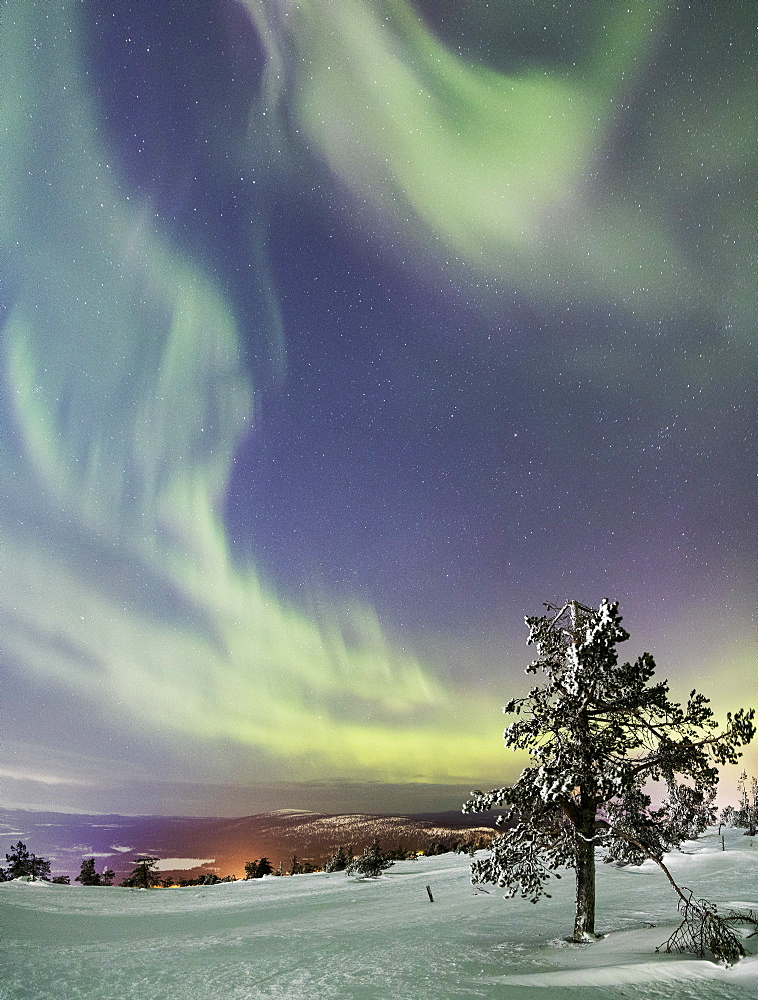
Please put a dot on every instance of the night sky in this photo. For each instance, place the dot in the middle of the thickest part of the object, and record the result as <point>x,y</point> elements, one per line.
<point>337,336</point>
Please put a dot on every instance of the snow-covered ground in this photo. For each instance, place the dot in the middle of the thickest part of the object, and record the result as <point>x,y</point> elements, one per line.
<point>333,937</point>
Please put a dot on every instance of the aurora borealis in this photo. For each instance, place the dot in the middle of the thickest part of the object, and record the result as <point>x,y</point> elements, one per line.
<point>337,336</point>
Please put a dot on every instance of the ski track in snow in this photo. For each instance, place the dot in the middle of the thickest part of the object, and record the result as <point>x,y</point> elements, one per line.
<point>331,937</point>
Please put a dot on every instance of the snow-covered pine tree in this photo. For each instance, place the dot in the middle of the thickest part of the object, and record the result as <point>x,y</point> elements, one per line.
<point>370,864</point>
<point>746,815</point>
<point>598,733</point>
<point>144,875</point>
<point>38,867</point>
<point>21,863</point>
<point>727,817</point>
<point>338,861</point>
<point>87,874</point>
<point>265,868</point>
<point>258,868</point>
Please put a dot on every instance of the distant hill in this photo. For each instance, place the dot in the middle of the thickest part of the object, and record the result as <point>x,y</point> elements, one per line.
<point>116,841</point>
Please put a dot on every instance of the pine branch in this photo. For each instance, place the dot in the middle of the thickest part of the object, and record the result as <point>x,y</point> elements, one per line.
<point>704,930</point>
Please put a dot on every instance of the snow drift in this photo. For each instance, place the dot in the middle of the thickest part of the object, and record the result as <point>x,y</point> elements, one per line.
<point>334,937</point>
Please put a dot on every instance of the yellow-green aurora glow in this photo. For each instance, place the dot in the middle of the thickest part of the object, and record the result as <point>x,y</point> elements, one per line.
<point>121,367</point>
<point>125,397</point>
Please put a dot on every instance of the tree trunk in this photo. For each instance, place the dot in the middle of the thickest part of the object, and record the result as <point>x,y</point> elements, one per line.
<point>584,921</point>
<point>584,823</point>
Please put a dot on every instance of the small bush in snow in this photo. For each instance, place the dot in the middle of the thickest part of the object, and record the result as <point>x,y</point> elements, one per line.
<point>370,864</point>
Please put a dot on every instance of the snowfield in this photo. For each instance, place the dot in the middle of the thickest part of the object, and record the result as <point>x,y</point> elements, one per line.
<point>334,937</point>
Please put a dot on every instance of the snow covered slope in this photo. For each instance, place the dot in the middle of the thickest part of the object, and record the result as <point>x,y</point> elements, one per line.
<point>333,937</point>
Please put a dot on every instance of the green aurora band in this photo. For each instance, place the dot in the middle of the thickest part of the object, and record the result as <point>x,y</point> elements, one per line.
<point>127,399</point>
<point>125,396</point>
<point>495,174</point>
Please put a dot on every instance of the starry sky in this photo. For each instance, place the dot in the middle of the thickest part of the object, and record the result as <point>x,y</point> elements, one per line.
<point>337,336</point>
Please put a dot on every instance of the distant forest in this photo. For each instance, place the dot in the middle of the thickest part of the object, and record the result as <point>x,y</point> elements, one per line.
<point>21,863</point>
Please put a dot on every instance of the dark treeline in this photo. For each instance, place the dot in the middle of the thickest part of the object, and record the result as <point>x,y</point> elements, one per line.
<point>21,863</point>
